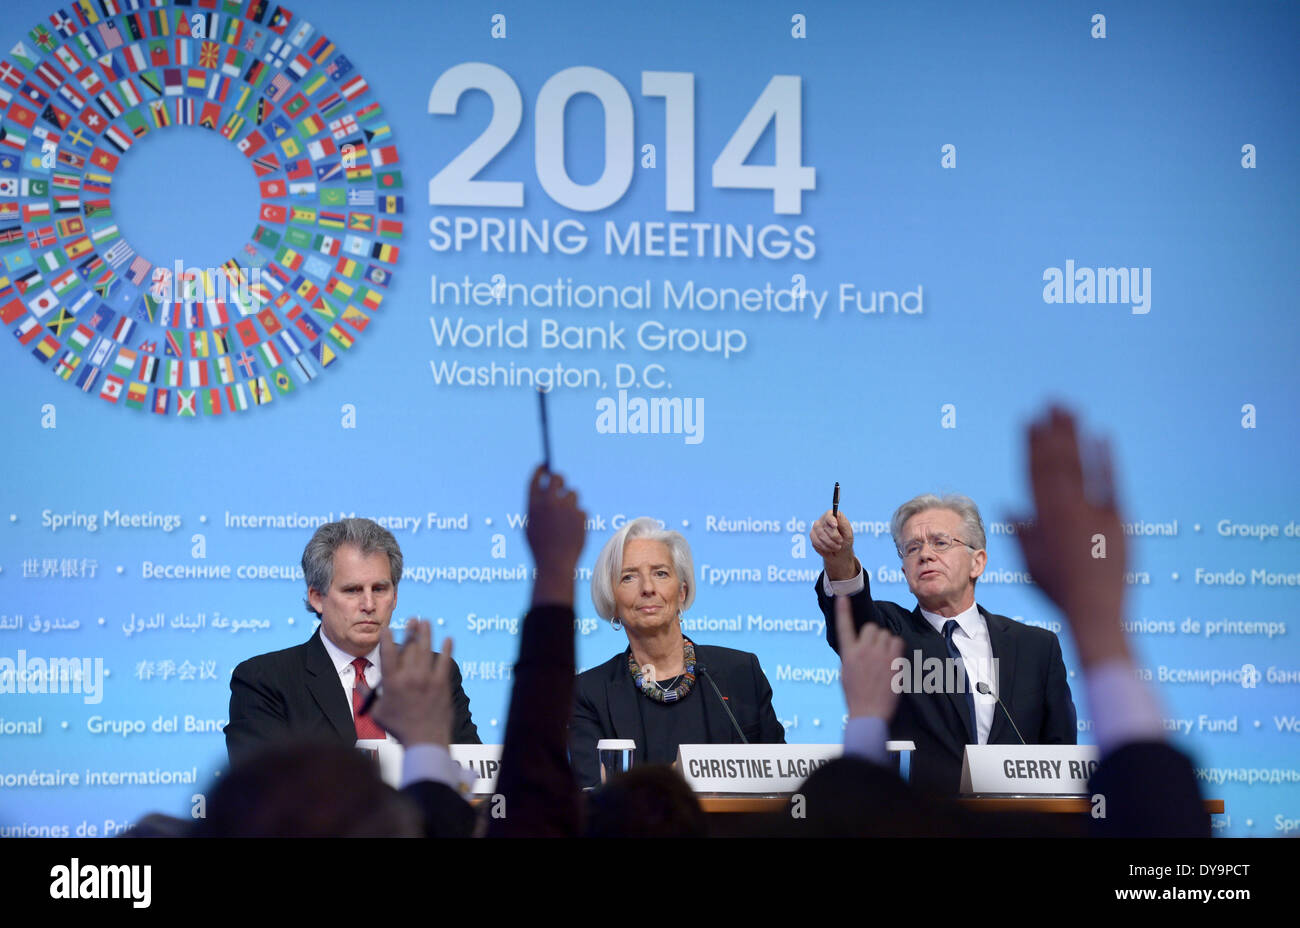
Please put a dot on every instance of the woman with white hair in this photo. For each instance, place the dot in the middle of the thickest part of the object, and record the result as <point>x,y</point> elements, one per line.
<point>664,690</point>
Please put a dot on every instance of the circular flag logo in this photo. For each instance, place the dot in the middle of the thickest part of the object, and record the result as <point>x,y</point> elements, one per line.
<point>76,92</point>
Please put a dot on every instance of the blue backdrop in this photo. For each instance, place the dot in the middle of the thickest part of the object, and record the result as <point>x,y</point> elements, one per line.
<point>854,244</point>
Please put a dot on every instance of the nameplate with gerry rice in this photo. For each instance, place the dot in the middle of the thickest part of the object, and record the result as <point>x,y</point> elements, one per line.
<point>752,768</point>
<point>1028,769</point>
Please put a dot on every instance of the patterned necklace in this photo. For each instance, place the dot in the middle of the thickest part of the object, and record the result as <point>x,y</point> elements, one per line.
<point>686,681</point>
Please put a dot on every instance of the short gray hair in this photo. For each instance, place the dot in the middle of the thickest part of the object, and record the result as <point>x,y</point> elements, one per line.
<point>605,575</point>
<point>964,506</point>
<point>366,536</point>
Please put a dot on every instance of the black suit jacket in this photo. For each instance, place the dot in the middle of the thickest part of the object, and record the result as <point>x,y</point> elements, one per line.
<point>605,706</point>
<point>1031,682</point>
<point>296,693</point>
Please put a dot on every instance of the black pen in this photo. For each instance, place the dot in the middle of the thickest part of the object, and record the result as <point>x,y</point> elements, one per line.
<point>835,500</point>
<point>546,432</point>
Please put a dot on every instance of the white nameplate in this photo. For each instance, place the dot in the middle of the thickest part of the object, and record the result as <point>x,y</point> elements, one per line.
<point>1028,769</point>
<point>752,768</point>
<point>483,761</point>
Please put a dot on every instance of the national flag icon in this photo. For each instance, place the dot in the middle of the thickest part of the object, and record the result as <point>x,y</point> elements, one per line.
<point>62,319</point>
<point>172,373</point>
<point>78,247</point>
<point>377,275</point>
<point>323,353</point>
<point>295,105</point>
<point>356,318</point>
<point>122,331</point>
<point>46,348</point>
<point>135,58</point>
<point>272,213</point>
<point>235,397</point>
<point>361,196</point>
<point>289,258</point>
<point>269,321</point>
<point>330,106</point>
<point>283,382</point>
<point>198,373</point>
<point>322,148</point>
<point>359,171</point>
<point>389,180</point>
<point>67,364</point>
<point>333,196</point>
<point>266,237</point>
<point>302,215</point>
<point>21,115</point>
<point>349,268</point>
<point>302,188</point>
<point>11,311</point>
<point>110,35</point>
<point>247,331</point>
<point>310,126</point>
<point>65,282</point>
<point>199,344</point>
<point>211,402</point>
<point>247,364</point>
<point>81,336</point>
<point>332,220</point>
<point>251,143</point>
<point>290,146</point>
<point>28,330</point>
<point>265,164</point>
<point>53,260</point>
<point>148,368</point>
<point>260,391</point>
<point>117,138</point>
<point>384,156</point>
<point>343,127</point>
<point>124,363</point>
<point>232,126</point>
<point>272,188</point>
<point>43,302</point>
<point>136,394</point>
<point>339,67</point>
<point>290,341</point>
<point>326,244</point>
<point>356,245</point>
<point>270,356</point>
<point>305,289</point>
<point>341,336</point>
<point>210,116</point>
<point>330,170</point>
<point>390,228</point>
<point>225,369</point>
<point>302,364</point>
<point>160,402</point>
<point>361,222</point>
<point>112,389</point>
<point>185,400</point>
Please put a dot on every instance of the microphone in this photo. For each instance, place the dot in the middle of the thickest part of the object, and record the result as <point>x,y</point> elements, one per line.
<point>983,689</point>
<point>704,672</point>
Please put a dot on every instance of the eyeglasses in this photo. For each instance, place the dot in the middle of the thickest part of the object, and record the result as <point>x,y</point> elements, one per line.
<point>938,543</point>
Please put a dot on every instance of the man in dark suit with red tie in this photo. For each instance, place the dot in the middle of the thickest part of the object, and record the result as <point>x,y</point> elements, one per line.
<point>313,691</point>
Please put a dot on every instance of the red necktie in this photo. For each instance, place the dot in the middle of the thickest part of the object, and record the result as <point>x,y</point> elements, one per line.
<point>367,728</point>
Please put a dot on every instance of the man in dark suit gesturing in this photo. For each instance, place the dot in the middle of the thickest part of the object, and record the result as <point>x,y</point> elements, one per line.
<point>951,645</point>
<point>312,691</point>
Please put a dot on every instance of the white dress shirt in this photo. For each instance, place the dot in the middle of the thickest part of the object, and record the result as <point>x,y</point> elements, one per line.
<point>972,640</point>
<point>419,761</point>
